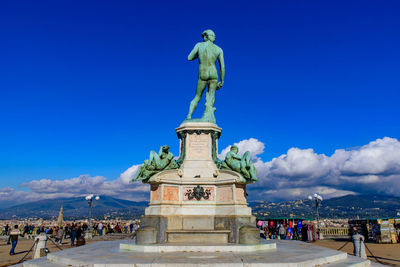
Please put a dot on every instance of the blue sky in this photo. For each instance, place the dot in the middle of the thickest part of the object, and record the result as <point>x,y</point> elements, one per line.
<point>90,87</point>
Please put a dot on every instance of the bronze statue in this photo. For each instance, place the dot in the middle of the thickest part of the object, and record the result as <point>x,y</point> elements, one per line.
<point>207,53</point>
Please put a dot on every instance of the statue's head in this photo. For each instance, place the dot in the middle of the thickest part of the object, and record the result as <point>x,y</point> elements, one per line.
<point>165,148</point>
<point>208,35</point>
<point>234,149</point>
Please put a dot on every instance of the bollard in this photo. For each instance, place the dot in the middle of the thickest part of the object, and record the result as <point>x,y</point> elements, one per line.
<point>358,246</point>
<point>40,245</point>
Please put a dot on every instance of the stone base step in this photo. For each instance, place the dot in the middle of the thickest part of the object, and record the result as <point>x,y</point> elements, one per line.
<point>351,261</point>
<point>198,248</point>
<point>288,253</point>
<point>198,236</point>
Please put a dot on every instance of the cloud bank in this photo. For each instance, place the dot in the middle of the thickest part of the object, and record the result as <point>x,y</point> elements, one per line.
<point>372,168</point>
<point>78,186</point>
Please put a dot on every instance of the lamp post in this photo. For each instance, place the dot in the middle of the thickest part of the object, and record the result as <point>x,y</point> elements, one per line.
<point>317,200</point>
<point>89,200</point>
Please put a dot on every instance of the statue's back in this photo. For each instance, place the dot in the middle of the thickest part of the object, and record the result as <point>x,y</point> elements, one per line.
<point>208,53</point>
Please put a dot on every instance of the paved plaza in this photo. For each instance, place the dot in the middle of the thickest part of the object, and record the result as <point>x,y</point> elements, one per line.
<point>287,253</point>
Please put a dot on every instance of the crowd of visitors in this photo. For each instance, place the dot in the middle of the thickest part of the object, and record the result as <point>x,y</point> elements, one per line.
<point>74,232</point>
<point>287,230</point>
<point>111,228</point>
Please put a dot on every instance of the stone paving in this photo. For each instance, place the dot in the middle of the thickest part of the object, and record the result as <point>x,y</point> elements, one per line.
<point>287,253</point>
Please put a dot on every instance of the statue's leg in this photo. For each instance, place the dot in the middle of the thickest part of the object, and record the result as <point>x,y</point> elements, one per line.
<point>210,96</point>
<point>201,85</point>
<point>251,170</point>
<point>253,173</point>
<point>247,158</point>
<point>208,114</point>
<point>245,165</point>
<point>154,157</point>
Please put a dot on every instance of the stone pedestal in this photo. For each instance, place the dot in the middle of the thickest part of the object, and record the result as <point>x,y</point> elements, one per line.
<point>197,203</point>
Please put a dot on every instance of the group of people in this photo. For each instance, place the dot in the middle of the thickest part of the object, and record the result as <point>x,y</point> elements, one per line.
<point>102,228</point>
<point>287,229</point>
<point>75,232</point>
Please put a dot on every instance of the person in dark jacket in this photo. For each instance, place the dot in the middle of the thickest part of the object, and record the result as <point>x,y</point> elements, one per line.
<point>72,234</point>
<point>79,232</point>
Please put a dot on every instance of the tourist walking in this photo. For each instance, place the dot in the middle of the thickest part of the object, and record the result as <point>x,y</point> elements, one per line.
<point>60,235</point>
<point>14,239</point>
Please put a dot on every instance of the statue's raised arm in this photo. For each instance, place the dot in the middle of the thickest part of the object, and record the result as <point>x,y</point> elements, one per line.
<point>208,53</point>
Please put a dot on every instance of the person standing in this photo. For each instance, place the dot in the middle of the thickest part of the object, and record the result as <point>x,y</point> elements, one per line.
<point>26,230</point>
<point>79,232</point>
<point>72,234</point>
<point>282,232</point>
<point>14,234</point>
<point>100,228</point>
<point>66,231</point>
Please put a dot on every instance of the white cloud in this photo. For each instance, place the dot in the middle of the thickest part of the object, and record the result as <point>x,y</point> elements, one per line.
<point>379,157</point>
<point>372,168</point>
<point>127,176</point>
<point>253,145</point>
<point>82,184</point>
<point>79,186</point>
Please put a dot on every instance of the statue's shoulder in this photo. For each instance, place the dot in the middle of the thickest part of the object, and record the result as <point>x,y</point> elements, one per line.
<point>199,44</point>
<point>219,49</point>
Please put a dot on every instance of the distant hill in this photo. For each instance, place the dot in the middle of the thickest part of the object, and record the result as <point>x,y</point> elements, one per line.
<point>350,206</point>
<point>75,208</point>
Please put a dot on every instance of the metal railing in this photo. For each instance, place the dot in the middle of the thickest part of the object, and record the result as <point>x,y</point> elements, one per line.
<point>335,231</point>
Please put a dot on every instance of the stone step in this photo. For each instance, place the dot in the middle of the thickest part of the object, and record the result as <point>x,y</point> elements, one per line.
<point>199,248</point>
<point>41,262</point>
<point>198,236</point>
<point>351,261</point>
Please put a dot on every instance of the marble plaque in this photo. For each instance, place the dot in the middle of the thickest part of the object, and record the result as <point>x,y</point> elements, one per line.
<point>198,147</point>
<point>171,193</point>
<point>224,194</point>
